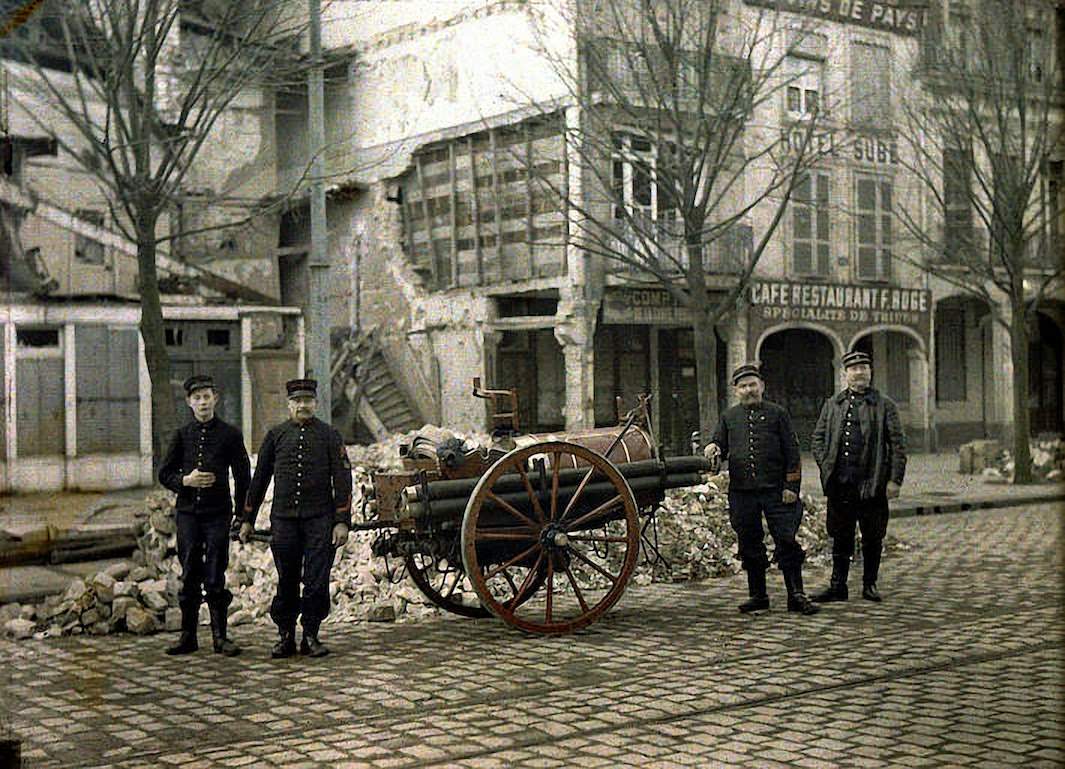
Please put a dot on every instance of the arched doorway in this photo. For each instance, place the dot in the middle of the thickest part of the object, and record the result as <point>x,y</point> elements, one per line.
<point>1045,376</point>
<point>798,372</point>
<point>890,351</point>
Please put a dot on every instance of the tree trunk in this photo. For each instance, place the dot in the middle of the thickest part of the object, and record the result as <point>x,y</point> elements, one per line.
<point>164,414</point>
<point>1022,454</point>
<point>705,341</point>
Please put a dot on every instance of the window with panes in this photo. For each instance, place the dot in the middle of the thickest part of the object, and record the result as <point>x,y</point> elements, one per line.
<point>873,198</point>
<point>810,225</point>
<point>957,204</point>
<point>637,187</point>
<point>803,92</point>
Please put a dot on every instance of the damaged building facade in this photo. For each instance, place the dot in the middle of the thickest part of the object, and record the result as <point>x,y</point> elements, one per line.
<point>75,411</point>
<point>463,262</point>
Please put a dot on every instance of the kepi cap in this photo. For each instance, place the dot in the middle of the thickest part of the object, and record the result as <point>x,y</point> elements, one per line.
<point>197,382</point>
<point>302,387</point>
<point>747,369</point>
<point>856,358</point>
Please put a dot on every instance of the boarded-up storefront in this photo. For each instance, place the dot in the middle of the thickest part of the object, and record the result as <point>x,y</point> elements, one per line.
<point>40,420</point>
<point>108,398</point>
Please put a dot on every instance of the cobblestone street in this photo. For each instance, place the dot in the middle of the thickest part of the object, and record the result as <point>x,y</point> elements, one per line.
<point>960,666</point>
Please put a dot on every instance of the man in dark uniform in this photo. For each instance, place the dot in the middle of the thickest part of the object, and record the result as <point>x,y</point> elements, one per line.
<point>310,516</point>
<point>757,439</point>
<point>860,448</point>
<point>196,467</point>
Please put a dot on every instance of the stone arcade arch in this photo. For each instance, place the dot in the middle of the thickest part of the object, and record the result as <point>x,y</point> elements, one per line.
<point>1045,352</point>
<point>799,364</point>
<point>900,370</point>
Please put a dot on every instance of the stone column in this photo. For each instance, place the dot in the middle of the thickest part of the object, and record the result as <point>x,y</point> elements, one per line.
<point>575,332</point>
<point>920,398</point>
<point>1000,395</point>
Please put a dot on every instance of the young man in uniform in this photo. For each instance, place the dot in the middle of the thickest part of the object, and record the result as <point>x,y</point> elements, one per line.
<point>196,467</point>
<point>757,439</point>
<point>860,448</point>
<point>310,516</point>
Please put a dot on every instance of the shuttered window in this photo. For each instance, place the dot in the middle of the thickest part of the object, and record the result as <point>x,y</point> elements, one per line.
<point>874,230</point>
<point>950,355</point>
<point>957,205</point>
<point>810,225</point>
<point>107,390</point>
<point>871,85</point>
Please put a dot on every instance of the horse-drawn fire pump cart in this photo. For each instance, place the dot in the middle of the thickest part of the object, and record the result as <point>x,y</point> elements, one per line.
<point>545,530</point>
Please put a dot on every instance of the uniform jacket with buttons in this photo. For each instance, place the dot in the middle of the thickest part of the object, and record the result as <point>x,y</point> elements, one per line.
<point>311,472</point>
<point>883,452</point>
<point>760,445</point>
<point>213,446</point>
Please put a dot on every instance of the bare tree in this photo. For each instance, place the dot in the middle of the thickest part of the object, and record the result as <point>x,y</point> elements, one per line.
<point>982,136</point>
<point>132,90</point>
<point>682,146</point>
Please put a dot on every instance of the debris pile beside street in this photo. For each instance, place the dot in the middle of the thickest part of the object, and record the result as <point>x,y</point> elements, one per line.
<point>140,595</point>
<point>1048,462</point>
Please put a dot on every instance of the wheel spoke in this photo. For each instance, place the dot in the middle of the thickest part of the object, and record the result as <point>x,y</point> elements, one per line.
<point>455,584</point>
<point>529,580</point>
<point>577,493</point>
<point>576,590</point>
<point>511,509</point>
<point>554,485</point>
<point>594,513</point>
<point>511,562</point>
<point>519,534</point>
<point>594,565</point>
<point>532,494</point>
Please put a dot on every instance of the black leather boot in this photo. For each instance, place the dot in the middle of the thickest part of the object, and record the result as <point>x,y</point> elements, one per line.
<point>759,599</point>
<point>286,643</point>
<point>187,642</point>
<point>870,571</point>
<point>837,586</point>
<point>219,621</point>
<point>797,600</point>
<point>310,645</point>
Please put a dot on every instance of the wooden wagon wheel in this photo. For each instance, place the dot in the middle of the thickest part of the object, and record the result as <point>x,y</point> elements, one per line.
<point>580,541</point>
<point>444,587</point>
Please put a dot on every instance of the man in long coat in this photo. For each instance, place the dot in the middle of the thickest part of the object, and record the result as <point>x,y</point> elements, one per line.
<point>860,448</point>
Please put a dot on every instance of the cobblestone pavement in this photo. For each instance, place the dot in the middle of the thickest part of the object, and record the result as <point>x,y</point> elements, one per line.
<point>960,666</point>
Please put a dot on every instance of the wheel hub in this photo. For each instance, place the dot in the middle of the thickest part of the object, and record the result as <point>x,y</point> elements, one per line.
<point>554,537</point>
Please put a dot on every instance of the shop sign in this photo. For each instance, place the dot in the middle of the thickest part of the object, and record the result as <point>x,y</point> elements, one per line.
<point>650,306</point>
<point>888,16</point>
<point>862,147</point>
<point>846,308</point>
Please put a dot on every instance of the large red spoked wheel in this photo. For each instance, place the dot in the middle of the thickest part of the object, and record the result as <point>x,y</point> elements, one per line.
<point>579,543</point>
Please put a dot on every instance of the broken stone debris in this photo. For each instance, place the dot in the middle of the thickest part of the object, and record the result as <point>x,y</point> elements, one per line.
<point>140,596</point>
<point>995,464</point>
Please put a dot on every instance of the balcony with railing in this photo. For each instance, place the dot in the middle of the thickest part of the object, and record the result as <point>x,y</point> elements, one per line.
<point>645,246</point>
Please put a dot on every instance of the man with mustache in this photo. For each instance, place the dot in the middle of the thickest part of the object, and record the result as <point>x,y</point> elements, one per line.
<point>196,467</point>
<point>757,439</point>
<point>310,516</point>
<point>860,448</point>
